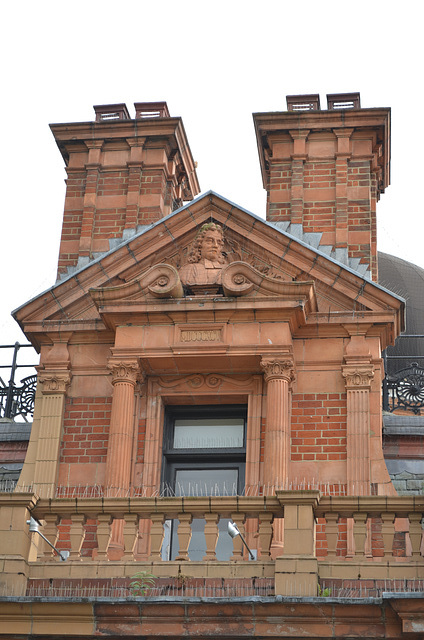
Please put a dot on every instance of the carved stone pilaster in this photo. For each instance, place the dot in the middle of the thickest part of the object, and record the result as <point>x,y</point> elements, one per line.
<point>358,373</point>
<point>54,378</point>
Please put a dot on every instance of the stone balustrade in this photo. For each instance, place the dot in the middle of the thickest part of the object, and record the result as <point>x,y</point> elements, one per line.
<point>67,518</point>
<point>326,538</point>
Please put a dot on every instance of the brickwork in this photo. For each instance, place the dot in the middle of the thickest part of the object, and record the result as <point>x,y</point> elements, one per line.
<point>85,430</point>
<point>319,426</point>
<point>319,175</point>
<point>100,204</point>
<point>326,174</point>
<point>109,223</point>
<point>344,222</point>
<point>279,183</point>
<point>120,177</point>
<point>321,539</point>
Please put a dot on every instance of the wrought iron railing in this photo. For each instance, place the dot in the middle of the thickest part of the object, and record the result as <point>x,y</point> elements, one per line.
<point>17,400</point>
<point>405,390</point>
<point>403,386</point>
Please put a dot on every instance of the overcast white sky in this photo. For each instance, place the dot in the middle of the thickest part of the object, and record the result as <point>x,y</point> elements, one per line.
<point>215,63</point>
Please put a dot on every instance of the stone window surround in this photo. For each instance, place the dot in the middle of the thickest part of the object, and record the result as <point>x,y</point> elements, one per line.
<point>200,389</point>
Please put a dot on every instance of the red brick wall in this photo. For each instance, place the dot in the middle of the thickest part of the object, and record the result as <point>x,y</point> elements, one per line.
<point>279,184</point>
<point>321,540</point>
<point>307,195</point>
<point>108,212</point>
<point>85,430</point>
<point>319,426</point>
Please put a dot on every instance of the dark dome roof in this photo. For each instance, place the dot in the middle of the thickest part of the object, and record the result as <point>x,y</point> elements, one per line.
<point>406,280</point>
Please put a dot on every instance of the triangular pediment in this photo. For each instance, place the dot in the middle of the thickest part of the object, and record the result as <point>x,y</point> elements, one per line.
<point>266,249</point>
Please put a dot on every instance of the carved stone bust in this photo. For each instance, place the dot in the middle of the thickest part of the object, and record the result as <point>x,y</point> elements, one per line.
<point>203,271</point>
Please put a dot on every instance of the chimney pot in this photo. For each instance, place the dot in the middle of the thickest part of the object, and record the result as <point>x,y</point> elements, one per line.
<point>151,110</point>
<point>337,101</point>
<point>308,102</point>
<point>110,112</point>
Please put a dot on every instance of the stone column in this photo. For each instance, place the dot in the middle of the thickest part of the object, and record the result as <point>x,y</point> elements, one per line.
<point>278,373</point>
<point>125,375</point>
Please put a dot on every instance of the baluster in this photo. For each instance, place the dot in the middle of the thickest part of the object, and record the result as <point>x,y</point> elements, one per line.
<point>332,533</point>
<point>103,534</point>
<point>415,533</point>
<point>156,536</point>
<point>50,531</point>
<point>76,535</point>
<point>238,547</point>
<point>388,532</point>
<point>211,535</point>
<point>184,535</point>
<point>130,534</point>
<point>359,532</point>
<point>265,533</point>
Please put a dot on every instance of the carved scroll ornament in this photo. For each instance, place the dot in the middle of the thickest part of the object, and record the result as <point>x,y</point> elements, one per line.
<point>161,281</point>
<point>240,279</point>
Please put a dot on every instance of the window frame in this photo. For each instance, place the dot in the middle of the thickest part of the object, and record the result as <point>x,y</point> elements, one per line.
<point>196,457</point>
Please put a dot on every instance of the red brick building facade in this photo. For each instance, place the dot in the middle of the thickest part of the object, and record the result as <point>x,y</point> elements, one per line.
<point>182,385</point>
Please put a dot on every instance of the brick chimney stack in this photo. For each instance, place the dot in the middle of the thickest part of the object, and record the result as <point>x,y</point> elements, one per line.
<point>324,171</point>
<point>121,173</point>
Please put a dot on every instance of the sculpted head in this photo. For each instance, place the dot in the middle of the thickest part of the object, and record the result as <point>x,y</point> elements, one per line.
<point>208,244</point>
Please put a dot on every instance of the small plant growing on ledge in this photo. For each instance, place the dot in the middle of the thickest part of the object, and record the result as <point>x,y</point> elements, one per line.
<point>324,593</point>
<point>141,583</point>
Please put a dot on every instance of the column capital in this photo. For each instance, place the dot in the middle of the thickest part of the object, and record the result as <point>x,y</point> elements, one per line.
<point>125,371</point>
<point>358,377</point>
<point>281,368</point>
<point>54,382</point>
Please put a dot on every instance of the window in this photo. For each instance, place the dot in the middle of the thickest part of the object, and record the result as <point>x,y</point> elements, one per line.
<point>204,454</point>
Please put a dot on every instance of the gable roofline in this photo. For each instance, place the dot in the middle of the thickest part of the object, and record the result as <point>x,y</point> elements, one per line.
<point>208,194</point>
